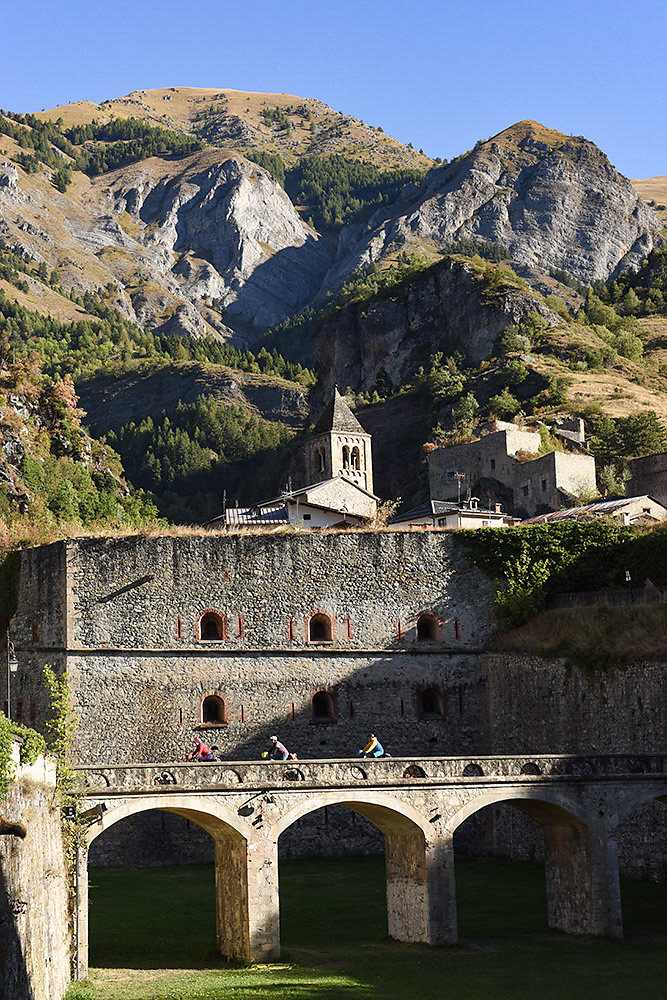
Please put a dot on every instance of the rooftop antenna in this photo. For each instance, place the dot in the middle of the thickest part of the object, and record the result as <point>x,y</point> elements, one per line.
<point>459,477</point>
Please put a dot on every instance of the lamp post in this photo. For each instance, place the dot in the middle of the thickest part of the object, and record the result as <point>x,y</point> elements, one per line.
<point>12,667</point>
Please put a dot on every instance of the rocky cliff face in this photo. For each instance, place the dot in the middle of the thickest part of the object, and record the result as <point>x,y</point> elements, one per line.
<point>172,235</point>
<point>554,201</point>
<point>221,228</point>
<point>443,309</point>
<point>210,245</point>
<point>112,400</point>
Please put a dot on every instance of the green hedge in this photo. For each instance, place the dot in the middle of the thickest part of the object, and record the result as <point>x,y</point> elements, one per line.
<point>33,745</point>
<point>533,562</point>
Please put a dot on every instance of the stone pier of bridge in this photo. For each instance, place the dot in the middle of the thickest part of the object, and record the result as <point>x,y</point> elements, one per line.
<point>417,803</point>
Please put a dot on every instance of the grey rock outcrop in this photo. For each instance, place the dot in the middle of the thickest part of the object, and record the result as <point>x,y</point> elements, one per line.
<point>442,309</point>
<point>241,238</point>
<point>554,201</point>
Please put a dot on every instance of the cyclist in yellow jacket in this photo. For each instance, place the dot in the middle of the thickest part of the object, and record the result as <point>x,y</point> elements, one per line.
<point>373,748</point>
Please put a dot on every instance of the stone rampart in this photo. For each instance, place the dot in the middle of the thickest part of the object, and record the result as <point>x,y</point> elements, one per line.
<point>34,927</point>
<point>129,626</point>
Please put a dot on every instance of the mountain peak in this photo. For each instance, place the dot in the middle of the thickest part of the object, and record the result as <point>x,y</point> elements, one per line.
<point>251,121</point>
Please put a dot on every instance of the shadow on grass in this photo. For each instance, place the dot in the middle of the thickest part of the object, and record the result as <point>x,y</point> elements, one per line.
<point>334,930</point>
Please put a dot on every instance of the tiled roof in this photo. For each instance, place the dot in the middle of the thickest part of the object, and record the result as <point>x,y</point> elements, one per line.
<point>438,508</point>
<point>251,515</point>
<point>337,416</point>
<point>427,509</point>
<point>605,507</point>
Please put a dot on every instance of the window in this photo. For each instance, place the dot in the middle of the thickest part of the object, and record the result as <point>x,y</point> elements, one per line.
<point>355,458</point>
<point>213,710</point>
<point>427,627</point>
<point>319,628</point>
<point>493,463</point>
<point>525,491</point>
<point>320,456</point>
<point>307,517</point>
<point>544,486</point>
<point>212,626</point>
<point>430,703</point>
<point>323,707</point>
<point>346,457</point>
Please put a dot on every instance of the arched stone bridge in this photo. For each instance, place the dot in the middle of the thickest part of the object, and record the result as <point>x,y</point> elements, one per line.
<point>417,803</point>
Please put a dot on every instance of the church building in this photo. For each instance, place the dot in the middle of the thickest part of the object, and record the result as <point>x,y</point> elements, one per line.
<point>338,472</point>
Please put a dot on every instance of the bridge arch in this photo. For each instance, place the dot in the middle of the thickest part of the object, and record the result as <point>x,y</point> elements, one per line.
<point>577,901</point>
<point>212,816</point>
<point>653,793</point>
<point>407,861</point>
<point>235,919</point>
<point>638,840</point>
<point>388,813</point>
<point>547,806</point>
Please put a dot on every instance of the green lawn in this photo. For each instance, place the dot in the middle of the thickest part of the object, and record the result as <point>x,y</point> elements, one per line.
<point>153,931</point>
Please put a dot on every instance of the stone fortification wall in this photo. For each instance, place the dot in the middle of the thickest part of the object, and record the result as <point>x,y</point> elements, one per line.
<point>34,929</point>
<point>649,476</point>
<point>140,668</point>
<point>131,592</point>
<point>142,708</point>
<point>537,484</point>
<point>536,703</point>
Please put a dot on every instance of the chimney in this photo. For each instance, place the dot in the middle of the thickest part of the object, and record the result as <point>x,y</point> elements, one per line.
<point>497,508</point>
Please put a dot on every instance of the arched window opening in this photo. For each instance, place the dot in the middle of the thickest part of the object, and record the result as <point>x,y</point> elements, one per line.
<point>211,626</point>
<point>427,627</point>
<point>213,710</point>
<point>319,628</point>
<point>320,457</point>
<point>431,703</point>
<point>323,706</point>
<point>346,457</point>
<point>355,458</point>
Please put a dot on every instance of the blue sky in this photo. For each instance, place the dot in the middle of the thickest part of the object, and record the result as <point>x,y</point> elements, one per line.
<point>438,74</point>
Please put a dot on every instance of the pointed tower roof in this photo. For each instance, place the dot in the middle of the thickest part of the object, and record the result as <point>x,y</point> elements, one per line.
<point>337,416</point>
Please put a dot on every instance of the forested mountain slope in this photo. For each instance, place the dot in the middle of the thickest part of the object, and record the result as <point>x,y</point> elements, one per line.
<point>186,256</point>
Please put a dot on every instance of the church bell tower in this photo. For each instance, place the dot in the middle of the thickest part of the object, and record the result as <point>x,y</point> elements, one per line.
<point>339,446</point>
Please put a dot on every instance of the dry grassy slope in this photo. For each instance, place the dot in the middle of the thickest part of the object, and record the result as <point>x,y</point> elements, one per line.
<point>232,118</point>
<point>653,189</point>
<point>624,388</point>
<point>42,299</point>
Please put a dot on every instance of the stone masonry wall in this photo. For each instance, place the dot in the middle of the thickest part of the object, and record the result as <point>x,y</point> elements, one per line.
<point>130,592</point>
<point>140,670</point>
<point>534,703</point>
<point>126,628</point>
<point>34,935</point>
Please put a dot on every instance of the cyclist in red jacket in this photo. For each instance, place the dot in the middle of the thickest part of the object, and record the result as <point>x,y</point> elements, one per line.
<point>202,752</point>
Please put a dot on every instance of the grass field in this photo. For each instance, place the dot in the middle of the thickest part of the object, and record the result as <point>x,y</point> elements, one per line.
<point>152,938</point>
